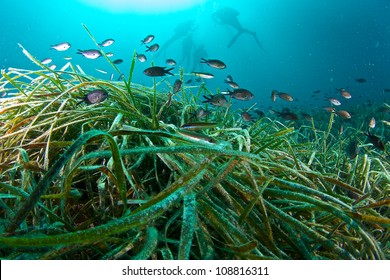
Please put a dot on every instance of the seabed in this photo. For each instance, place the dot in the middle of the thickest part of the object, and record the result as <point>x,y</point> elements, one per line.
<point>121,179</point>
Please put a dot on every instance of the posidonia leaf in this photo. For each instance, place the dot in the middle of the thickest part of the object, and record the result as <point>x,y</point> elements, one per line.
<point>188,226</point>
<point>150,244</point>
<point>51,174</point>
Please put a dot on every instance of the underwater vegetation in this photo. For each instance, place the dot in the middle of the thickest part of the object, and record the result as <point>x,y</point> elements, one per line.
<point>118,175</point>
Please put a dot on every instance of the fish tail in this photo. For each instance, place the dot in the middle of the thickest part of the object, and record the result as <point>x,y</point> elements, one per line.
<point>167,71</point>
<point>207,99</point>
<point>203,60</point>
<point>192,116</point>
<point>82,100</point>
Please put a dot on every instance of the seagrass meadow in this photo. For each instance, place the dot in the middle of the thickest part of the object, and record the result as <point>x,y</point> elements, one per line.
<point>121,179</point>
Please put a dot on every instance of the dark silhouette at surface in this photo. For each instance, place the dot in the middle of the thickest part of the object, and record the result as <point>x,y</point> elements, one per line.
<point>228,16</point>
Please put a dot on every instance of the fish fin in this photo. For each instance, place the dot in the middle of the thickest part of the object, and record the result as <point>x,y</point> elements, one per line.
<point>207,99</point>
<point>167,71</point>
<point>78,103</point>
<point>192,116</point>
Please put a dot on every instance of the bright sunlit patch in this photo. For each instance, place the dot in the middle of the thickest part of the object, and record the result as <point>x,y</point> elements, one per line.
<point>144,6</point>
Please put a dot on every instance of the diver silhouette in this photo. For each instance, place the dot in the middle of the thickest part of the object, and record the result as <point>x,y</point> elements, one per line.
<point>228,16</point>
<point>199,53</point>
<point>187,46</point>
<point>181,30</point>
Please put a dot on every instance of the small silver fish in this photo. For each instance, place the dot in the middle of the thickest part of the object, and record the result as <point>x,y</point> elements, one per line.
<point>53,66</point>
<point>241,94</point>
<point>246,117</point>
<point>203,75</point>
<point>218,100</point>
<point>177,86</point>
<point>215,63</point>
<point>344,114</point>
<point>109,54</point>
<point>90,54</point>
<point>153,48</point>
<point>201,113</point>
<point>94,96</point>
<point>372,123</point>
<point>121,77</point>
<point>46,61</point>
<point>329,109</point>
<point>101,71</point>
<point>229,78</point>
<point>274,95</point>
<point>170,62</point>
<point>61,46</point>
<point>141,57</point>
<point>334,101</point>
<point>169,101</point>
<point>344,93</point>
<point>232,84</point>
<point>147,39</point>
<point>285,96</point>
<point>107,43</point>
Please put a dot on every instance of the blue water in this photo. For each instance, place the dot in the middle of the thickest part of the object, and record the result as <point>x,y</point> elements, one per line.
<point>308,45</point>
